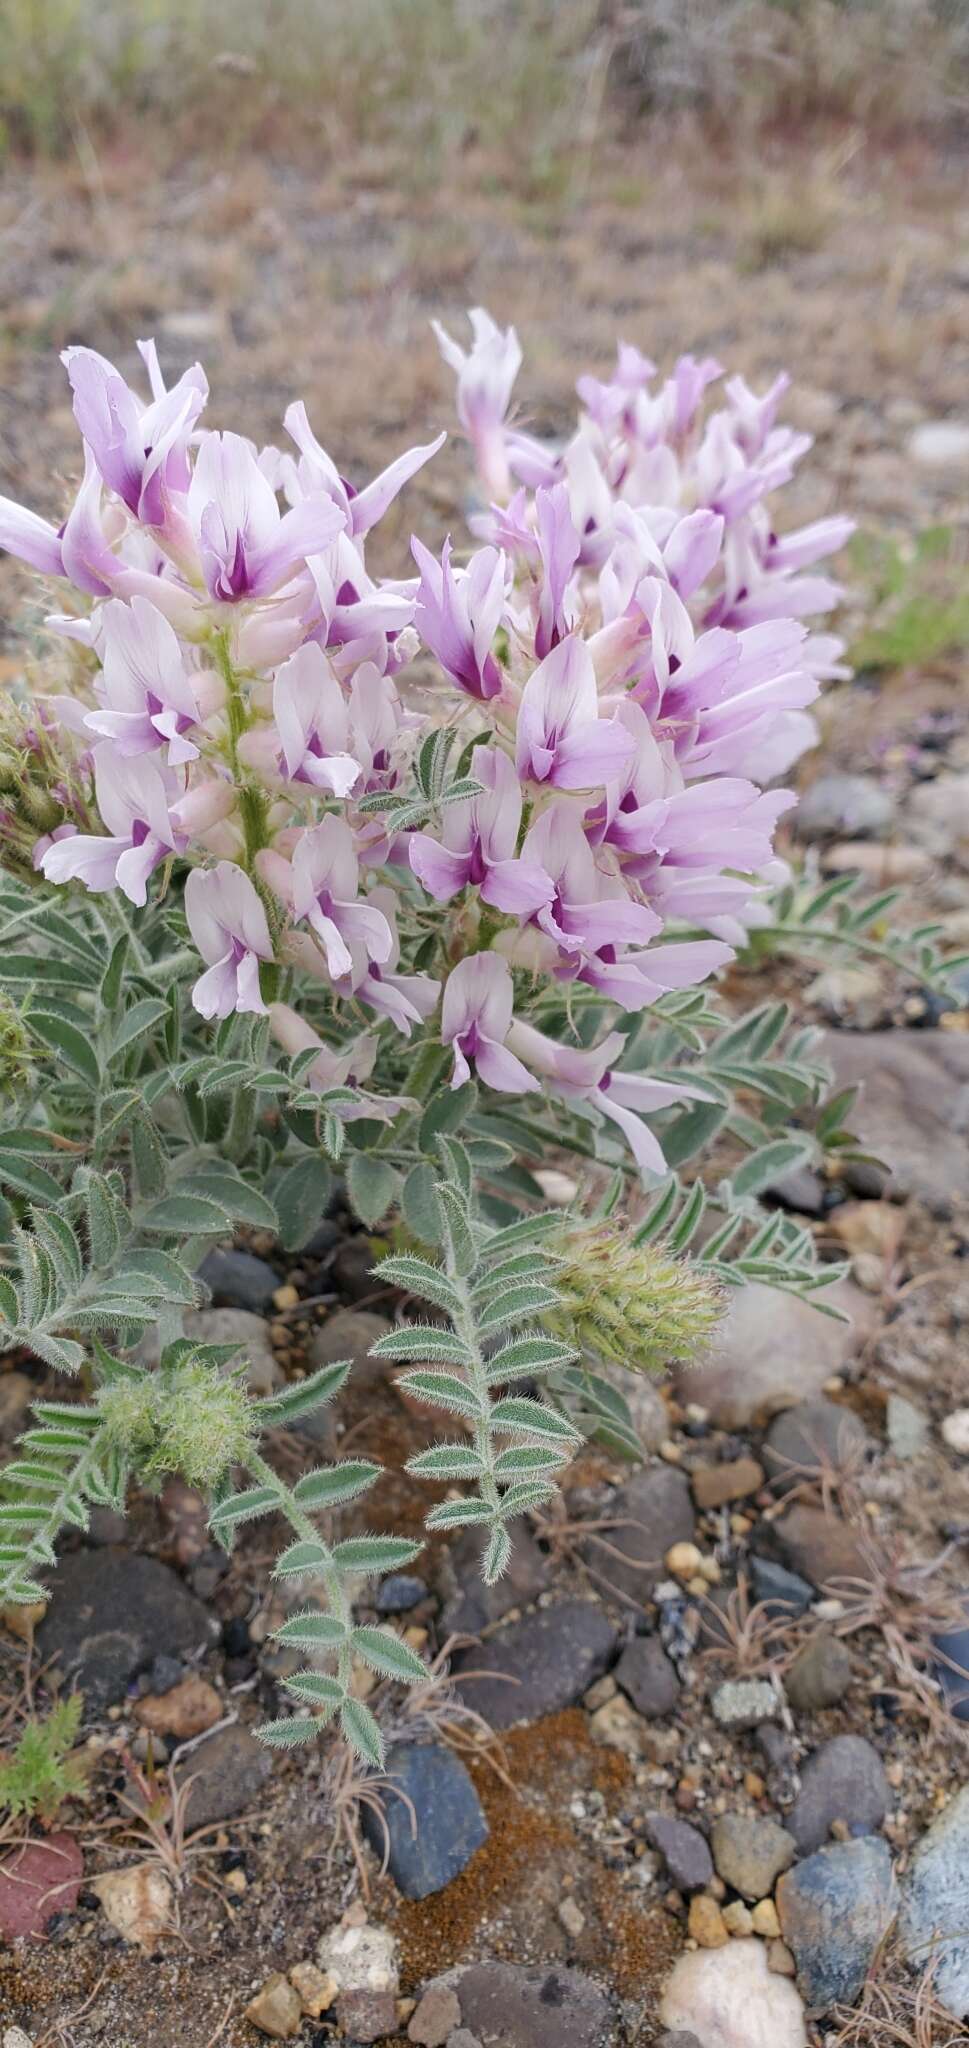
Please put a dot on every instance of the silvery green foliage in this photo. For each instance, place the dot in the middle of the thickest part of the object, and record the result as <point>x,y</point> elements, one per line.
<point>143,1135</point>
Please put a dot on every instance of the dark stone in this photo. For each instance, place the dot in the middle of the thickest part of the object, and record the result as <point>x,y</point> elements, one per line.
<point>646,1518</point>
<point>913,1110</point>
<point>110,1614</point>
<point>551,1658</point>
<point>506,2005</point>
<point>835,1910</point>
<point>803,1191</point>
<point>239,1280</point>
<point>236,1640</point>
<point>843,806</point>
<point>820,1674</point>
<point>810,1438</point>
<point>324,1240</point>
<point>783,1594</point>
<point>783,1780</point>
<point>399,1592</point>
<point>230,1769</point>
<point>819,1547</point>
<point>352,1270</point>
<point>951,1669</point>
<point>162,1675</point>
<point>644,1671</point>
<point>843,1780</point>
<point>432,1816</point>
<point>684,1850</point>
<point>39,1880</point>
<point>105,1528</point>
<point>469,1605</point>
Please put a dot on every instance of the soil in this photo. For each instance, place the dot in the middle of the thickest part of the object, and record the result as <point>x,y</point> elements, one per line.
<point>291,279</point>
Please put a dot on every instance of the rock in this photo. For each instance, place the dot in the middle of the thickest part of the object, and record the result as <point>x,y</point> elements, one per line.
<point>110,1613</point>
<point>913,1110</point>
<point>705,1922</point>
<point>37,1880</point>
<point>646,1406</point>
<point>714,1485</point>
<point>730,1999</point>
<point>835,1910</point>
<point>508,2005</point>
<point>432,1818</point>
<point>14,2037</point>
<point>277,2009</point>
<point>750,1854</point>
<point>618,1726</point>
<point>678,2040</point>
<point>16,1394</point>
<point>940,444</point>
<point>437,2015</point>
<point>317,1991</point>
<point>783,1780</point>
<point>934,1917</point>
<point>744,1702</point>
<point>571,1917</point>
<point>249,1332</point>
<point>820,1674</point>
<point>955,1431</point>
<point>765,1921</point>
<point>782,1592</point>
<point>644,1671</point>
<point>936,816</point>
<point>347,1334</point>
<point>812,1438</point>
<point>185,1710</point>
<point>399,1592</point>
<point>843,1780</point>
<point>683,1560</point>
<point>802,1190</point>
<point>239,1280</point>
<point>771,1351</point>
<point>779,1958</point>
<point>138,1903</point>
<point>649,1514</point>
<point>352,1269</point>
<point>229,1769</point>
<point>738,1919</point>
<point>537,1665</point>
<point>469,1605</point>
<point>951,1668</point>
<point>908,1430</point>
<point>363,1962</point>
<point>844,806</point>
<point>819,1547</point>
<point>462,2037</point>
<point>684,1850</point>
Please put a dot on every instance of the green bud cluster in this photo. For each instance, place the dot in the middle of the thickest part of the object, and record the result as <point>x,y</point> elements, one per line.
<point>189,1419</point>
<point>15,1047</point>
<point>639,1306</point>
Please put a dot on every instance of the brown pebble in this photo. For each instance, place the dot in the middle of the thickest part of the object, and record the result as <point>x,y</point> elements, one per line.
<point>780,1959</point>
<point>706,1923</point>
<point>187,1709</point>
<point>766,1922</point>
<point>737,1918</point>
<point>317,1989</point>
<point>286,1297</point>
<point>754,1785</point>
<point>715,1485</point>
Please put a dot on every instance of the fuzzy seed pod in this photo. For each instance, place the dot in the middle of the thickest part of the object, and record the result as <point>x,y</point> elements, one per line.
<point>639,1306</point>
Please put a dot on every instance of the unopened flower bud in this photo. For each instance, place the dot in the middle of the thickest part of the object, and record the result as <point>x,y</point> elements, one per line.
<point>640,1306</point>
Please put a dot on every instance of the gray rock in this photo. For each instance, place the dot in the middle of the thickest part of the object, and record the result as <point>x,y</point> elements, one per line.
<point>908,1429</point>
<point>683,1849</point>
<point>432,1818</point>
<point>347,1334</point>
<point>940,444</point>
<point>506,2005</point>
<point>646,1406</point>
<point>352,1269</point>
<point>469,1605</point>
<point>937,818</point>
<point>438,2016</point>
<point>399,1592</point>
<point>239,1280</point>
<point>241,1327</point>
<point>110,1614</point>
<point>678,2040</point>
<point>750,1854</point>
<point>838,806</point>
<point>951,1669</point>
<point>783,1779</point>
<point>835,1910</point>
<point>462,2037</point>
<point>802,1190</point>
<point>229,1770</point>
<point>843,1780</point>
<point>771,1351</point>
<point>745,1702</point>
<point>782,1592</point>
<point>537,1665</point>
<point>814,1436</point>
<point>645,1673</point>
<point>820,1674</point>
<point>913,1111</point>
<point>648,1515</point>
<point>934,1916</point>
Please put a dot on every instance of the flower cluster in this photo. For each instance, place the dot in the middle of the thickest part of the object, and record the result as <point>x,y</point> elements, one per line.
<point>623,657</point>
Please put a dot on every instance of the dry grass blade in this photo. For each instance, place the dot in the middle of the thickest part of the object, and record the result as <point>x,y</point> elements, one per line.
<point>896,2010</point>
<point>753,1640</point>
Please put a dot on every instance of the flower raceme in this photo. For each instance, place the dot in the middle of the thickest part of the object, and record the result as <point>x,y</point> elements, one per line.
<point>623,662</point>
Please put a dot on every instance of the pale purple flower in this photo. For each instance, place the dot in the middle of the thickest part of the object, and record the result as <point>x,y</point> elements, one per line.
<point>347,1067</point>
<point>375,717</point>
<point>312,719</point>
<point>140,450</point>
<point>559,549</point>
<point>478,844</point>
<point>407,999</point>
<point>247,547</point>
<point>458,613</point>
<point>149,698</point>
<point>561,738</point>
<point>476,1017</point>
<point>133,799</point>
<point>325,894</point>
<point>486,377</point>
<point>590,908</point>
<point>32,539</point>
<point>593,1077</point>
<point>635,980</point>
<point>316,471</point>
<point>229,926</point>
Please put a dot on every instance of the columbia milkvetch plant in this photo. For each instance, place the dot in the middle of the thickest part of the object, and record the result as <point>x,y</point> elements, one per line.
<point>271,902</point>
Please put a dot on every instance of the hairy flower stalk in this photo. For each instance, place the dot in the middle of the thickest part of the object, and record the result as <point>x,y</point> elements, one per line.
<point>638,1306</point>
